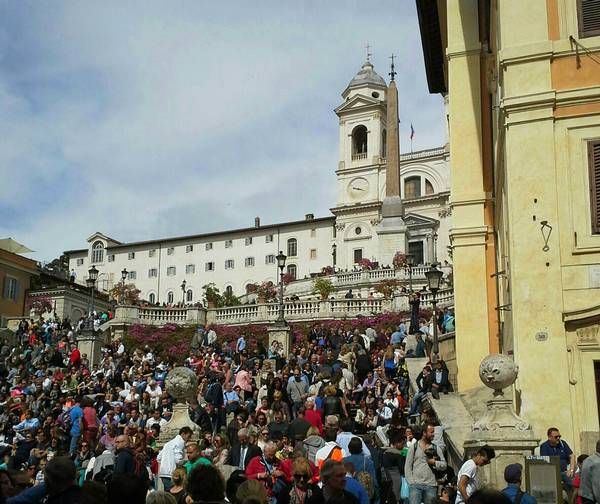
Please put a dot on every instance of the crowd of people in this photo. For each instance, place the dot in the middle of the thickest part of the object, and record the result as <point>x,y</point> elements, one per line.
<point>334,421</point>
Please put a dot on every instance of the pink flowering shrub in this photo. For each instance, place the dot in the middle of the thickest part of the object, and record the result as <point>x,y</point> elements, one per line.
<point>366,264</point>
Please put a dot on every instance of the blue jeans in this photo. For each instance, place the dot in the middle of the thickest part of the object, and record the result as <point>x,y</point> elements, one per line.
<point>414,405</point>
<point>73,445</point>
<point>422,494</point>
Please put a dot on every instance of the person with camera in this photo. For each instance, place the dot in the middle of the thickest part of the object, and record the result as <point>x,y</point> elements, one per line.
<point>424,461</point>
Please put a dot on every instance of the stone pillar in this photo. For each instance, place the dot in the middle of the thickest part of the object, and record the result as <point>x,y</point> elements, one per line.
<point>511,437</point>
<point>90,343</point>
<point>196,315</point>
<point>282,334</point>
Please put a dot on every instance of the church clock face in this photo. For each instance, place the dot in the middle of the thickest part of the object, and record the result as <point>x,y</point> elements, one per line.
<point>358,188</point>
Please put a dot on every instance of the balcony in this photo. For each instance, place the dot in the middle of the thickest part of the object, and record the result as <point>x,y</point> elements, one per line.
<point>359,156</point>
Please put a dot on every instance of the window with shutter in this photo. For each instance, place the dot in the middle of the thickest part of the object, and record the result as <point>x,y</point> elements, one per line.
<point>594,168</point>
<point>589,17</point>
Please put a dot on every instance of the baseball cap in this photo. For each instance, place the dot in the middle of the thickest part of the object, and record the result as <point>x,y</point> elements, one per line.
<point>512,473</point>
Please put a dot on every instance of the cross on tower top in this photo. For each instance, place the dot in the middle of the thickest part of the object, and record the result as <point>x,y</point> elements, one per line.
<point>369,54</point>
<point>392,73</point>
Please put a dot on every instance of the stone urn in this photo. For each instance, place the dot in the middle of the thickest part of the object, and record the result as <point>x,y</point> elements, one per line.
<point>498,371</point>
<point>181,384</point>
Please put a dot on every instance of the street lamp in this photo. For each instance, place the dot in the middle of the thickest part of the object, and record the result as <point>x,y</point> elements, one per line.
<point>410,262</point>
<point>434,280</point>
<point>183,290</point>
<point>124,274</point>
<point>334,254</point>
<point>91,282</point>
<point>281,257</point>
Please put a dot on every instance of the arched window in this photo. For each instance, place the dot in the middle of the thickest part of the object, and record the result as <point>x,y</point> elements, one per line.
<point>291,269</point>
<point>412,187</point>
<point>292,247</point>
<point>170,297</point>
<point>98,252</point>
<point>229,290</point>
<point>152,298</point>
<point>189,295</point>
<point>428,187</point>
<point>359,142</point>
<point>383,143</point>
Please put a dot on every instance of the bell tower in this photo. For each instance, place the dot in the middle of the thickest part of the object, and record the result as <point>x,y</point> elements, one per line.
<point>361,166</point>
<point>362,120</point>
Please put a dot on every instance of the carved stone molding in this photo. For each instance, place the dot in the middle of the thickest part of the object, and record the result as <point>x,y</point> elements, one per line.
<point>375,222</point>
<point>445,212</point>
<point>340,227</point>
<point>588,336</point>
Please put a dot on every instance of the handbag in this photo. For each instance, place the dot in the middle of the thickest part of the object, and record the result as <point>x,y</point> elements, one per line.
<point>404,489</point>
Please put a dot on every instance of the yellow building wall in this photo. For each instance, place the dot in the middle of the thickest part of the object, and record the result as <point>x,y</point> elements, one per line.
<point>548,107</point>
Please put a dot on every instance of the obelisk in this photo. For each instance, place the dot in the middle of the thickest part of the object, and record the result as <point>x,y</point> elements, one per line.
<point>392,230</point>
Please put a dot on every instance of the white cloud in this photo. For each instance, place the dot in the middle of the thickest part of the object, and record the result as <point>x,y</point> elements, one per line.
<point>148,119</point>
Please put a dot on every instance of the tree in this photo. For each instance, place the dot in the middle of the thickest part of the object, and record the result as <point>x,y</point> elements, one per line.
<point>58,267</point>
<point>39,305</point>
<point>266,291</point>
<point>125,294</point>
<point>323,286</point>
<point>399,261</point>
<point>212,296</point>
<point>230,299</point>
<point>366,264</point>
<point>288,278</point>
<point>387,287</point>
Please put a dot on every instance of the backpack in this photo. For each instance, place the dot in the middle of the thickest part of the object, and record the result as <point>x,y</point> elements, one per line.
<point>64,421</point>
<point>364,478</point>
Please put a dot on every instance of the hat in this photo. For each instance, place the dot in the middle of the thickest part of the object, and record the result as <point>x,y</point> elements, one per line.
<point>512,473</point>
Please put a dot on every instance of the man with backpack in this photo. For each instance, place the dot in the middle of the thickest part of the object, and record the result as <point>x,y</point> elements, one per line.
<point>512,476</point>
<point>423,460</point>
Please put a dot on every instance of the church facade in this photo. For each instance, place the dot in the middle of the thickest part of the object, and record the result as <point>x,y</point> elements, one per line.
<point>356,229</point>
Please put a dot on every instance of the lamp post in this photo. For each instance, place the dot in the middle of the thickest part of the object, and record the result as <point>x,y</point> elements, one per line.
<point>410,261</point>
<point>124,274</point>
<point>334,255</point>
<point>91,282</point>
<point>434,280</point>
<point>183,290</point>
<point>281,257</point>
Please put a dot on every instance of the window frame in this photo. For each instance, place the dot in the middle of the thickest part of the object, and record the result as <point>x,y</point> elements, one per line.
<point>170,297</point>
<point>189,248</point>
<point>98,252</point>
<point>207,264</point>
<point>170,251</point>
<point>248,241</point>
<point>354,251</point>
<point>151,271</point>
<point>272,257</point>
<point>249,262</point>
<point>288,243</point>
<point>190,269</point>
<point>79,261</point>
<point>229,264</point>
<point>172,268</point>
<point>6,294</point>
<point>208,246</point>
<point>130,256</point>
<point>151,252</point>
<point>228,243</point>
<point>269,238</point>
<point>288,270</point>
<point>131,275</point>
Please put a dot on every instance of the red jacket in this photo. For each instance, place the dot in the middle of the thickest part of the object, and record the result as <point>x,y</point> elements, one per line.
<point>255,467</point>
<point>314,418</point>
<point>285,466</point>
<point>75,357</point>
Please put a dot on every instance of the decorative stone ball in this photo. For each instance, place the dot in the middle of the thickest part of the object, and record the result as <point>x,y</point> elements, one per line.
<point>181,383</point>
<point>498,371</point>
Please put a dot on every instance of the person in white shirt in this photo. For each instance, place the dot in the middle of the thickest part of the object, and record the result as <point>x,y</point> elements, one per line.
<point>155,392</point>
<point>468,475</point>
<point>171,455</point>
<point>156,419</point>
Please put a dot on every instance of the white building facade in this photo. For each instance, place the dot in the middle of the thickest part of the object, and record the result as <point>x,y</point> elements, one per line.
<point>233,259</point>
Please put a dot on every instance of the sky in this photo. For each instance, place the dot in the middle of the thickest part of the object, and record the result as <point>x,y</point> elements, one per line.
<point>146,119</point>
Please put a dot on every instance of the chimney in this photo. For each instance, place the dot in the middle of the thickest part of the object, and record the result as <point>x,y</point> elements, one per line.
<point>309,216</point>
<point>256,222</point>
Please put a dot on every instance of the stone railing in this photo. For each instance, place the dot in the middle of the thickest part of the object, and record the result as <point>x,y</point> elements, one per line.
<point>363,280</point>
<point>165,315</point>
<point>303,310</point>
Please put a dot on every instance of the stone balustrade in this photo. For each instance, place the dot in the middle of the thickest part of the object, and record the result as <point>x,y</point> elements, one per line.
<point>295,311</point>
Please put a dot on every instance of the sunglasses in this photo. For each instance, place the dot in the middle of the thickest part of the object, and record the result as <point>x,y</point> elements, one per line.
<point>305,477</point>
